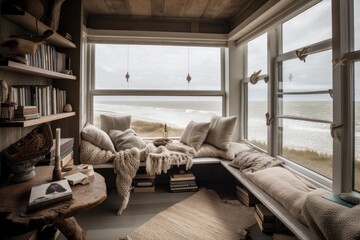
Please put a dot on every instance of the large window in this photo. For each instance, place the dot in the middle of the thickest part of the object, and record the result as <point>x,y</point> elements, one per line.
<point>157,89</point>
<point>257,92</point>
<point>356,29</point>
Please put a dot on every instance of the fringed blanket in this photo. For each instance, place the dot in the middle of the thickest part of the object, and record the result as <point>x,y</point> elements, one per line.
<point>126,163</point>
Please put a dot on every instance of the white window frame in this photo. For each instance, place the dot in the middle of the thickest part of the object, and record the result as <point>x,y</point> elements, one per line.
<point>144,92</point>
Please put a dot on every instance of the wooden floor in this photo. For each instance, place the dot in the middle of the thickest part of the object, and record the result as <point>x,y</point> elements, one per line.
<point>102,222</point>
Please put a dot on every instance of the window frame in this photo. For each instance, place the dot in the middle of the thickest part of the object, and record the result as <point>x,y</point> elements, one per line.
<point>145,92</point>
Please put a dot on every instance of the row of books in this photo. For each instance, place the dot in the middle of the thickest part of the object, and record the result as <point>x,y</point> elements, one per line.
<point>46,57</point>
<point>66,153</point>
<point>23,113</point>
<point>265,218</point>
<point>47,99</point>
<point>144,183</point>
<point>183,181</point>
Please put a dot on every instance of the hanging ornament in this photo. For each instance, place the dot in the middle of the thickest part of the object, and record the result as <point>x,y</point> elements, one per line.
<point>188,77</point>
<point>127,76</point>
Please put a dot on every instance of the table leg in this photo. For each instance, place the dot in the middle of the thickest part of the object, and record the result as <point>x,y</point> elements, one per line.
<point>70,229</point>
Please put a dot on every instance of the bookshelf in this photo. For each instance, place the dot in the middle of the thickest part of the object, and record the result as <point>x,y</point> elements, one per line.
<point>28,22</point>
<point>37,121</point>
<point>19,67</point>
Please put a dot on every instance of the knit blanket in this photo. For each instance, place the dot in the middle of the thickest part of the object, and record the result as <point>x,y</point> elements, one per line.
<point>329,220</point>
<point>127,162</point>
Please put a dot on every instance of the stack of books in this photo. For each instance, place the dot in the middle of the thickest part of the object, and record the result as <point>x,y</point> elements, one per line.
<point>265,218</point>
<point>23,113</point>
<point>184,181</point>
<point>66,153</point>
<point>144,183</point>
<point>245,196</point>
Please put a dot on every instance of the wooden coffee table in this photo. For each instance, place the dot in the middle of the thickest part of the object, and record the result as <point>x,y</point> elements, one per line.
<point>15,219</point>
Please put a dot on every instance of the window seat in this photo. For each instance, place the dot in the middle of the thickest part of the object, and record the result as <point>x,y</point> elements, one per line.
<point>299,229</point>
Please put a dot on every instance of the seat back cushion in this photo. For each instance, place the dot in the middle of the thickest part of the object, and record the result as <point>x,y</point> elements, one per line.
<point>115,122</point>
<point>221,130</point>
<point>195,133</point>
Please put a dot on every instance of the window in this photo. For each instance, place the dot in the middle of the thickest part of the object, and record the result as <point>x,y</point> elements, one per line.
<point>357,126</point>
<point>149,114</point>
<point>157,67</point>
<point>356,25</point>
<point>257,93</point>
<point>311,26</point>
<point>157,91</point>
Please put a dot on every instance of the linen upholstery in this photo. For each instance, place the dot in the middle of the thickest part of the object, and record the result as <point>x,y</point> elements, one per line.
<point>207,150</point>
<point>195,134</point>
<point>221,130</point>
<point>97,137</point>
<point>126,139</point>
<point>108,122</point>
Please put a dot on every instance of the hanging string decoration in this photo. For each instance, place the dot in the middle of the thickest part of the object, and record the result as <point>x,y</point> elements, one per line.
<point>188,77</point>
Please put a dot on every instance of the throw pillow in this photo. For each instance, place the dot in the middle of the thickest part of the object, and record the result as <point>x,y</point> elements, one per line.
<point>207,150</point>
<point>221,130</point>
<point>108,122</point>
<point>97,137</point>
<point>126,140</point>
<point>194,134</point>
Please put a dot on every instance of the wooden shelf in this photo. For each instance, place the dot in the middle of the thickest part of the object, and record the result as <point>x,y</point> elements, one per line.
<point>19,67</point>
<point>37,121</point>
<point>27,21</point>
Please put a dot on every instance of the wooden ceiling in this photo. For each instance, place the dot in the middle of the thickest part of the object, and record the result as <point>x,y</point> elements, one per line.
<point>211,10</point>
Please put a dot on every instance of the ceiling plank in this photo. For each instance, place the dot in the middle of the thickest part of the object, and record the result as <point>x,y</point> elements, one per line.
<point>174,8</point>
<point>213,8</point>
<point>157,8</point>
<point>140,7</point>
<point>118,7</point>
<point>195,8</point>
<point>96,7</point>
<point>233,8</point>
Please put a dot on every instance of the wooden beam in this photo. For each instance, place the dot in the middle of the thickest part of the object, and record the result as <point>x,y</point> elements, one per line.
<point>141,7</point>
<point>120,7</point>
<point>157,8</point>
<point>174,8</point>
<point>195,8</point>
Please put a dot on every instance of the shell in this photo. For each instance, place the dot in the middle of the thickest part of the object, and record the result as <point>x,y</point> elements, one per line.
<point>67,108</point>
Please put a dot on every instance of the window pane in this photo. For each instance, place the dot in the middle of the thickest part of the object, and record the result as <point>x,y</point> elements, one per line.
<point>150,113</point>
<point>257,55</point>
<point>257,108</point>
<point>317,106</point>
<point>357,25</point>
<point>314,74</point>
<point>357,126</point>
<point>306,143</point>
<point>311,26</point>
<point>157,67</point>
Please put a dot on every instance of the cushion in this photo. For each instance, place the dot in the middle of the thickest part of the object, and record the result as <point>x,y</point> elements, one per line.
<point>207,150</point>
<point>285,187</point>
<point>221,130</point>
<point>126,140</point>
<point>108,122</point>
<point>252,160</point>
<point>195,133</point>
<point>97,137</point>
<point>92,154</point>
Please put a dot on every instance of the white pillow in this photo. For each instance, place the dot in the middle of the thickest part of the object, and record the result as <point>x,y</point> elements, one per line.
<point>108,122</point>
<point>221,130</point>
<point>195,133</point>
<point>97,137</point>
<point>207,150</point>
<point>126,140</point>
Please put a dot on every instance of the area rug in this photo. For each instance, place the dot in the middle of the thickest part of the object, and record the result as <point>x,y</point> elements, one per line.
<point>202,216</point>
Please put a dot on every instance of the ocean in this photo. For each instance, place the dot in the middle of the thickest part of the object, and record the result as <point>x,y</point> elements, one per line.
<point>296,134</point>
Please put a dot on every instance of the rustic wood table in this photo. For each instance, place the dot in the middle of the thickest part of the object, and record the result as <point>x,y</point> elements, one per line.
<point>15,219</point>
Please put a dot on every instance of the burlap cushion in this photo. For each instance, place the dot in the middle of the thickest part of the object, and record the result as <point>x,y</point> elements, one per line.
<point>126,140</point>
<point>221,130</point>
<point>108,122</point>
<point>195,133</point>
<point>97,137</point>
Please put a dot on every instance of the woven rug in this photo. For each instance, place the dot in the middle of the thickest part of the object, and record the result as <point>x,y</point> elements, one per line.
<point>202,216</point>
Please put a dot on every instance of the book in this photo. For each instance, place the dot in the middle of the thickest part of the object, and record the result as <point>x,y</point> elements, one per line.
<point>144,189</point>
<point>26,117</point>
<point>265,227</point>
<point>181,178</point>
<point>144,183</point>
<point>48,193</point>
<point>336,199</point>
<point>264,213</point>
<point>144,176</point>
<point>184,189</point>
<point>86,169</point>
<point>77,178</point>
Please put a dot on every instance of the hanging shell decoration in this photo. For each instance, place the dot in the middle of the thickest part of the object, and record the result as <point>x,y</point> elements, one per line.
<point>188,78</point>
<point>127,76</point>
<point>254,78</point>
